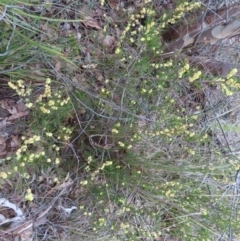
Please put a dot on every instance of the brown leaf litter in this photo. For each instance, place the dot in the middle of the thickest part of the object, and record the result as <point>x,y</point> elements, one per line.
<point>10,110</point>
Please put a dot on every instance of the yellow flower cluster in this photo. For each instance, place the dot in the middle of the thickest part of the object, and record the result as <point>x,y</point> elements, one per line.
<point>22,91</point>
<point>229,82</point>
<point>135,19</point>
<point>146,11</point>
<point>29,158</point>
<point>115,128</point>
<point>220,80</point>
<point>124,32</point>
<point>3,175</point>
<point>54,102</point>
<point>94,173</point>
<point>114,131</point>
<point>191,152</point>
<point>31,140</point>
<point>169,188</point>
<point>47,90</point>
<point>25,157</point>
<point>164,16</point>
<point>107,163</point>
<point>65,134</point>
<point>46,108</point>
<point>232,73</point>
<point>55,147</point>
<point>57,161</point>
<point>183,8</point>
<point>121,144</point>
<point>118,50</point>
<point>226,90</point>
<point>186,6</point>
<point>84,183</point>
<point>169,193</point>
<point>156,66</point>
<point>49,134</point>
<point>102,222</point>
<point>167,64</point>
<point>26,175</point>
<point>233,83</point>
<point>184,69</point>
<point>178,13</point>
<point>24,148</point>
<point>195,76</point>
<point>20,88</point>
<point>29,196</point>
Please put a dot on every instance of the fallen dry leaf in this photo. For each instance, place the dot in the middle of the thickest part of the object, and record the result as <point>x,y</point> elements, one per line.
<point>2,140</point>
<point>20,107</point>
<point>11,106</point>
<point>2,144</point>
<point>58,66</point>
<point>14,141</point>
<point>13,110</point>
<point>108,41</point>
<point>90,22</point>
<point>38,72</point>
<point>18,115</point>
<point>3,123</point>
<point>99,76</point>
<point>6,104</point>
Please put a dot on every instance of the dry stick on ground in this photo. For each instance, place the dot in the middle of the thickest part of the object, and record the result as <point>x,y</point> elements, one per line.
<point>208,29</point>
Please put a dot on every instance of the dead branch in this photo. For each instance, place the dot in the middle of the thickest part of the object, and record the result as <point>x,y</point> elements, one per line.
<point>207,29</point>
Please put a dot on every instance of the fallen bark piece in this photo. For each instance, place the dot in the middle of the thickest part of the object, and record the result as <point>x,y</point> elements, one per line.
<point>208,29</point>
